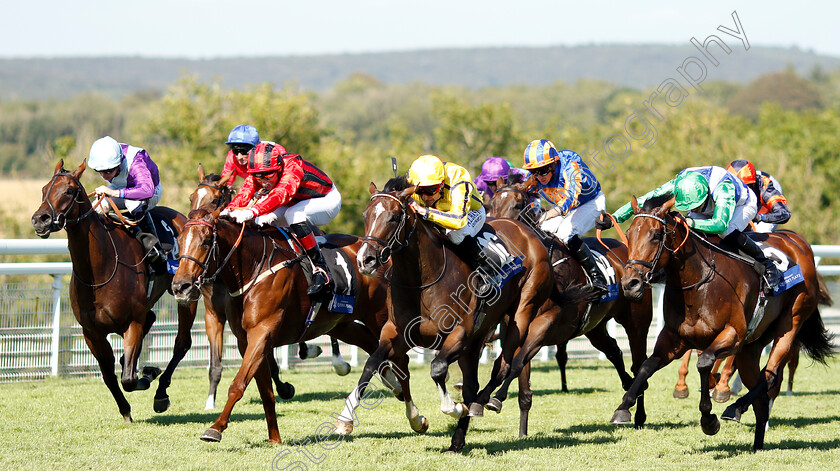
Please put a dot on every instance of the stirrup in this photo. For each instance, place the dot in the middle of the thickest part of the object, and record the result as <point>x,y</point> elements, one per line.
<point>317,287</point>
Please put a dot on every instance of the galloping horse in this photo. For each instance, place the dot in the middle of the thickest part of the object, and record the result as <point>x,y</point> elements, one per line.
<point>560,326</point>
<point>709,304</point>
<point>211,194</point>
<point>108,286</point>
<point>432,303</point>
<point>269,278</point>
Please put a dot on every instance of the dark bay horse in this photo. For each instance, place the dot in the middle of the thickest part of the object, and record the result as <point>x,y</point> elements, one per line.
<point>268,276</point>
<point>212,193</point>
<point>560,326</point>
<point>432,302</point>
<point>108,285</point>
<point>709,301</point>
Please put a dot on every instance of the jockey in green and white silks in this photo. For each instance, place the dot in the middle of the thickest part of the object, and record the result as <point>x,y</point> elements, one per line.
<point>717,203</point>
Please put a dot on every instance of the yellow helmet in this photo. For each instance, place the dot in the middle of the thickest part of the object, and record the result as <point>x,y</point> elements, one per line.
<point>426,171</point>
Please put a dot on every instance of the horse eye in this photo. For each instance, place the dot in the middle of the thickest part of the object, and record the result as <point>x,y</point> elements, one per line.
<point>69,191</point>
<point>215,202</point>
<point>206,242</point>
<point>657,236</point>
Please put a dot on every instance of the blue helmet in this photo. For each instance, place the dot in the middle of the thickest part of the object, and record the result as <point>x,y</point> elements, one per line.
<point>244,134</point>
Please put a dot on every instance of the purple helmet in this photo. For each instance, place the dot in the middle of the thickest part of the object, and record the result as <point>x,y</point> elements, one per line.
<point>493,168</point>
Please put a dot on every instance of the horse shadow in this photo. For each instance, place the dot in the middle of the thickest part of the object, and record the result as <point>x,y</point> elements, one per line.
<point>196,417</point>
<point>729,449</point>
<point>325,396</point>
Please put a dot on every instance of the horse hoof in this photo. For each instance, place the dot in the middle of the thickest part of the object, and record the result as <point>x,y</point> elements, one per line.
<point>494,405</point>
<point>710,426</point>
<point>212,435</point>
<point>721,396</point>
<point>161,404</point>
<point>459,386</point>
<point>476,410</point>
<point>314,352</point>
<point>151,372</point>
<point>341,368</point>
<point>127,418</point>
<point>286,391</point>
<point>424,425</point>
<point>680,393</point>
<point>343,428</point>
<point>731,413</point>
<point>621,417</point>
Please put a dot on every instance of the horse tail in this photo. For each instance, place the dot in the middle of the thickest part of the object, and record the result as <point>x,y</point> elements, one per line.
<point>815,339</point>
<point>823,296</point>
<point>574,294</point>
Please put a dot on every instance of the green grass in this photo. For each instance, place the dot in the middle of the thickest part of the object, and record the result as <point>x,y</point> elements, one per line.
<point>74,424</point>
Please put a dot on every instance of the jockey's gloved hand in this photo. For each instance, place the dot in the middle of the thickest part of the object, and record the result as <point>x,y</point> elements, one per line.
<point>689,221</point>
<point>242,215</point>
<point>224,212</point>
<point>603,222</point>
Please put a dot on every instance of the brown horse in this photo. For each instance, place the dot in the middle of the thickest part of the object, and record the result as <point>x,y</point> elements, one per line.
<point>709,301</point>
<point>432,303</point>
<point>212,193</point>
<point>559,326</point>
<point>258,266</point>
<point>108,285</point>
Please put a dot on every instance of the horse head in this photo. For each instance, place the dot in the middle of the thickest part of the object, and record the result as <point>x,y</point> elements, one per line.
<point>64,201</point>
<point>199,255</point>
<point>213,191</point>
<point>513,201</point>
<point>389,223</point>
<point>650,243</point>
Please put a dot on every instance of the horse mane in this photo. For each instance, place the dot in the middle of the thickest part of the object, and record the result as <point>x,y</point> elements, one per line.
<point>198,214</point>
<point>657,201</point>
<point>212,177</point>
<point>397,184</point>
<point>516,178</point>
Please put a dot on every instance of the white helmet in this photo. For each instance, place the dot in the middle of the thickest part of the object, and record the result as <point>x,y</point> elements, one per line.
<point>105,153</point>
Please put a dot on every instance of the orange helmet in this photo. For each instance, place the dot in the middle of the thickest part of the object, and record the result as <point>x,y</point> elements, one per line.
<point>266,157</point>
<point>744,170</point>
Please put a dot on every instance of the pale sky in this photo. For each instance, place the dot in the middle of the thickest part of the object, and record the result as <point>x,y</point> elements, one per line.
<point>211,28</point>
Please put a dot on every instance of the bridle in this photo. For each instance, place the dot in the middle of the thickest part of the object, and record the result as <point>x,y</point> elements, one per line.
<point>386,248</point>
<point>649,276</point>
<point>212,254</point>
<point>531,215</point>
<point>59,220</point>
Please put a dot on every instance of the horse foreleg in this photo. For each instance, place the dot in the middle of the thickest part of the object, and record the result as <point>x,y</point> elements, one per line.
<point>341,367</point>
<point>183,342</point>
<point>214,325</point>
<point>722,393</point>
<point>449,352</point>
<point>132,345</point>
<point>681,388</point>
<point>562,358</point>
<point>263,378</point>
<point>747,364</point>
<point>399,370</point>
<point>793,363</point>
<point>525,396</point>
<point>252,360</point>
<point>668,346</point>
<point>600,339</point>
<point>101,350</point>
<point>469,372</point>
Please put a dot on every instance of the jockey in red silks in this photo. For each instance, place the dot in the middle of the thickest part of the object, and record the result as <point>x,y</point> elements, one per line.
<point>284,189</point>
<point>772,204</point>
<point>241,140</point>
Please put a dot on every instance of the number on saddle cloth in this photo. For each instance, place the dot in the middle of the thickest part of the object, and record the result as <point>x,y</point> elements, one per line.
<point>607,269</point>
<point>792,274</point>
<point>504,259</point>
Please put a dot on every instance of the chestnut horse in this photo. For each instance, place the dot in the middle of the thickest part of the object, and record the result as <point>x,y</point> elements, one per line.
<point>259,267</point>
<point>559,326</point>
<point>432,303</point>
<point>709,301</point>
<point>212,193</point>
<point>108,285</point>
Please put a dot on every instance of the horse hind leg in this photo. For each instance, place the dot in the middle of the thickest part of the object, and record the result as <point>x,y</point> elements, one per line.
<point>285,390</point>
<point>341,367</point>
<point>681,388</point>
<point>183,342</point>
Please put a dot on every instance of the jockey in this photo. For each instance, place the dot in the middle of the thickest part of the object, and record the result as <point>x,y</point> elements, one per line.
<point>241,140</point>
<point>772,204</point>
<point>283,189</point>
<point>134,186</point>
<point>717,203</point>
<point>491,170</point>
<point>571,188</point>
<point>446,196</point>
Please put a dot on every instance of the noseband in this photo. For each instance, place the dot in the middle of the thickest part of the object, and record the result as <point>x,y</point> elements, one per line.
<point>386,248</point>
<point>60,221</point>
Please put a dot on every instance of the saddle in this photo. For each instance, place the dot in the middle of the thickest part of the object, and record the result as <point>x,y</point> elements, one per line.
<point>164,231</point>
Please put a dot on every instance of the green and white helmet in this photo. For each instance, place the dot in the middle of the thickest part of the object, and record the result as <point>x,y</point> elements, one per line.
<point>690,190</point>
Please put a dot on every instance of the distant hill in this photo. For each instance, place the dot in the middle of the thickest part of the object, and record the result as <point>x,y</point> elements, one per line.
<point>629,65</point>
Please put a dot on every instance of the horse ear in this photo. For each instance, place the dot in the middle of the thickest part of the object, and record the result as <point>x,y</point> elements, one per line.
<point>216,213</point>
<point>668,205</point>
<point>227,178</point>
<point>406,194</point>
<point>59,166</point>
<point>372,188</point>
<point>80,169</point>
<point>530,182</point>
<point>634,204</point>
<point>500,182</point>
<point>201,173</point>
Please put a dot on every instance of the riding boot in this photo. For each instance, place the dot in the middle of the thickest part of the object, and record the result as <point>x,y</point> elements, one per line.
<point>771,275</point>
<point>474,255</point>
<point>583,255</point>
<point>320,275</point>
<point>147,235</point>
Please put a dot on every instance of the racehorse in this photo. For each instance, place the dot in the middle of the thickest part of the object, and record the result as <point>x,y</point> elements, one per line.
<point>108,285</point>
<point>432,303</point>
<point>256,265</point>
<point>212,193</point>
<point>709,302</point>
<point>559,326</point>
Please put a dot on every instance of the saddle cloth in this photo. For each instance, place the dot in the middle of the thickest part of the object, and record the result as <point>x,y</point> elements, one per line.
<point>504,259</point>
<point>168,240</point>
<point>792,276</point>
<point>604,265</point>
